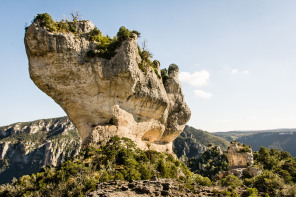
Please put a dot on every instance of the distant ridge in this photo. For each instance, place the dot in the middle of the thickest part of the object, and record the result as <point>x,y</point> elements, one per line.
<point>281,139</point>
<point>263,130</point>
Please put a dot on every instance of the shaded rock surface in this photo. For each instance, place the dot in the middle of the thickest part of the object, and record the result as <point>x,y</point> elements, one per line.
<point>94,90</point>
<point>191,143</point>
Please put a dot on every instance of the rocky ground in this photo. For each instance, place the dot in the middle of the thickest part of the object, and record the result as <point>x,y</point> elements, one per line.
<point>161,187</point>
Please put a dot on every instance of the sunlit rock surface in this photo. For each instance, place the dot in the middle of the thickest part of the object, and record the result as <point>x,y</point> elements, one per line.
<point>92,91</point>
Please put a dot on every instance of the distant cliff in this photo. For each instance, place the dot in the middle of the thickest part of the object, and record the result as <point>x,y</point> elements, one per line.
<point>281,139</point>
<point>26,147</point>
<point>191,143</point>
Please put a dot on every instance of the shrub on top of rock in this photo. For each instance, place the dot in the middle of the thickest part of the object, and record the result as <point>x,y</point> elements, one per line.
<point>172,68</point>
<point>46,21</point>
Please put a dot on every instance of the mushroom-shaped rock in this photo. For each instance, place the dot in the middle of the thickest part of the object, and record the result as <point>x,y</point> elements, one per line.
<point>106,97</point>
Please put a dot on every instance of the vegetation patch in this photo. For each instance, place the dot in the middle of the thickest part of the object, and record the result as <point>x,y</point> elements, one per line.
<point>119,159</point>
<point>106,46</point>
<point>146,62</point>
<point>45,20</point>
<point>172,68</point>
<point>210,163</point>
<point>280,162</point>
<point>245,149</point>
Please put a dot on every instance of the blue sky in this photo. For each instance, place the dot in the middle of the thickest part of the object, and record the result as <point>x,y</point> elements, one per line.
<point>237,58</point>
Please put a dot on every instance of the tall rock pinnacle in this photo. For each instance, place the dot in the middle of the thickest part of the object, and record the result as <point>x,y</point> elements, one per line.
<point>110,96</point>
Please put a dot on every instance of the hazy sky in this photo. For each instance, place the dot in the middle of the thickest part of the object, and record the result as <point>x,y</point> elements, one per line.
<point>237,58</point>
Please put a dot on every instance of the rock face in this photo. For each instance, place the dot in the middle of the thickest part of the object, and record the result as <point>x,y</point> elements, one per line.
<point>26,147</point>
<point>239,156</point>
<point>94,90</point>
<point>241,161</point>
<point>191,143</point>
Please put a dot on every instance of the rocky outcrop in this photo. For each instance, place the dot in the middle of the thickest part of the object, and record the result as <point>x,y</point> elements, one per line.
<point>92,91</point>
<point>26,147</point>
<point>159,187</point>
<point>239,156</point>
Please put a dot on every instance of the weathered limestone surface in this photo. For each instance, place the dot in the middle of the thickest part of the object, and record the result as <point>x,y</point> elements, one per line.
<point>94,90</point>
<point>241,161</point>
<point>238,158</point>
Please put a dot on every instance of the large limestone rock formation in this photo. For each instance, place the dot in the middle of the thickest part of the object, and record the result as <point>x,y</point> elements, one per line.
<point>92,91</point>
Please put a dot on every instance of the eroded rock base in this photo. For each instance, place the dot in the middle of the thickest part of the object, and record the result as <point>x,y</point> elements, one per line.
<point>145,134</point>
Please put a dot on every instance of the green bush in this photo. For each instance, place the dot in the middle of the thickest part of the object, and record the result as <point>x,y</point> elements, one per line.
<point>95,35</point>
<point>210,163</point>
<point>279,162</point>
<point>145,172</point>
<point>137,33</point>
<point>268,182</point>
<point>156,64</point>
<point>164,75</point>
<point>156,72</point>
<point>200,180</point>
<point>245,149</point>
<point>46,21</point>
<point>172,68</point>
<point>231,180</point>
<point>104,176</point>
<point>251,192</point>
<point>123,33</point>
<point>106,46</point>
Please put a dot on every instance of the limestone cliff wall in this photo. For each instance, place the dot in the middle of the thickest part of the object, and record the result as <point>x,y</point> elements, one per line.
<point>94,90</point>
<point>26,147</point>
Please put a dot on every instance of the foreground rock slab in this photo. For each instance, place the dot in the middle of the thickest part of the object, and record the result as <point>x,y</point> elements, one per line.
<point>160,187</point>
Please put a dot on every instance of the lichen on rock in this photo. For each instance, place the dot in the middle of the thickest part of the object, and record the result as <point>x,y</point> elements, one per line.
<point>94,90</point>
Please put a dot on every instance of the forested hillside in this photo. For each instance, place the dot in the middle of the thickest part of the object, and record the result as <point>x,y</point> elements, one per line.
<point>191,143</point>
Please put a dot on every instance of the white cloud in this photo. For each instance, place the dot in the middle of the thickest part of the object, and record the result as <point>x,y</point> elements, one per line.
<point>246,72</point>
<point>234,71</point>
<point>198,78</point>
<point>202,94</point>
